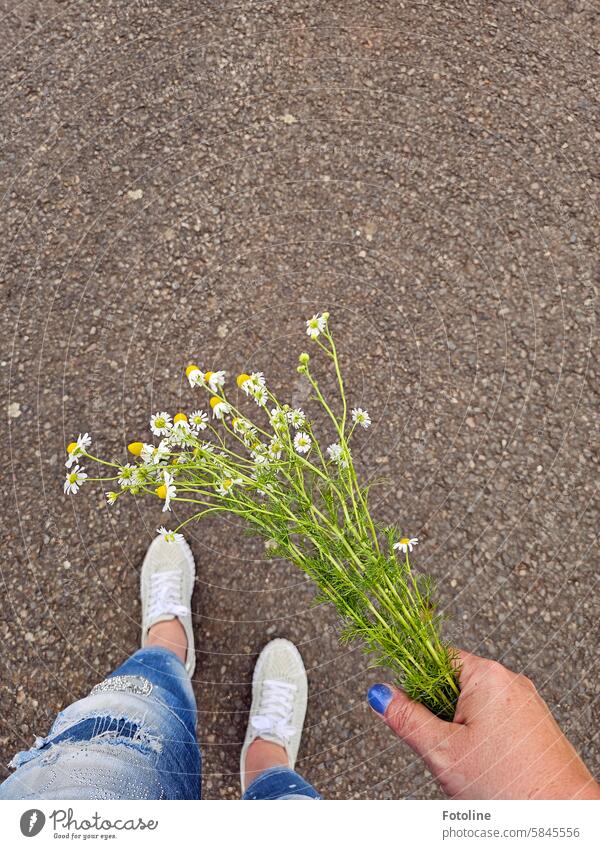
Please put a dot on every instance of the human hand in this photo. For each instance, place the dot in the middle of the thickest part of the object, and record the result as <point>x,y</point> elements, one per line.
<point>503,743</point>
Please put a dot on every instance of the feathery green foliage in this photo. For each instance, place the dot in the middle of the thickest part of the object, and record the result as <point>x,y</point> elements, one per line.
<point>309,506</point>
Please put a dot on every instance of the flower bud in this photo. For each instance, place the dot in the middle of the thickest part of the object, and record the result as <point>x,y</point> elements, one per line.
<point>326,316</point>
<point>301,369</point>
<point>304,358</point>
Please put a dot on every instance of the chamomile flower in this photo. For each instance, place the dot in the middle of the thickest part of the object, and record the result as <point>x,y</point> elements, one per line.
<point>74,480</point>
<point>260,396</point>
<point>167,490</point>
<point>126,475</point>
<point>155,454</point>
<point>226,484</point>
<point>84,441</point>
<point>336,454</point>
<point>258,447</point>
<point>275,448</point>
<point>302,442</point>
<point>147,452</point>
<point>243,426</point>
<point>278,419</point>
<point>181,434</point>
<point>361,417</point>
<point>335,451</point>
<point>250,441</point>
<point>214,380</point>
<point>194,375</point>
<point>406,544</point>
<point>316,325</point>
<point>220,408</point>
<point>259,458</point>
<point>198,420</point>
<point>163,450</point>
<point>250,383</point>
<point>254,385</point>
<point>77,448</point>
<point>169,536</point>
<point>161,424</point>
<point>111,497</point>
<point>296,418</point>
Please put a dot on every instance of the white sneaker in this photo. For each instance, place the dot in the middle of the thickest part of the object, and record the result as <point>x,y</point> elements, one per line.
<point>279,698</point>
<point>167,584</point>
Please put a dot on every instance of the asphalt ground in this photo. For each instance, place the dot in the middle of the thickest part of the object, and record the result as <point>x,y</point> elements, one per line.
<point>191,181</point>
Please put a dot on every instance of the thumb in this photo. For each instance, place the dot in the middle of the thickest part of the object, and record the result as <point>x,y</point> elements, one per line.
<point>411,721</point>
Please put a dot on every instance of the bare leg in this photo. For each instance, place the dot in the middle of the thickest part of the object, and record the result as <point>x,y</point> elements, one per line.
<point>262,755</point>
<point>169,635</point>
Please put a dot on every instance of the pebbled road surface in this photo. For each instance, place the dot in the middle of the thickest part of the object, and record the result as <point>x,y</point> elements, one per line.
<point>192,180</point>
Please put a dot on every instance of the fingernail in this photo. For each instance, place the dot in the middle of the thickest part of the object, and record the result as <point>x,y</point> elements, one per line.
<point>379,697</point>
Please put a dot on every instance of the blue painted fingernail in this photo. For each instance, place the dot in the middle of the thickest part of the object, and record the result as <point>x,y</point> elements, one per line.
<point>379,697</point>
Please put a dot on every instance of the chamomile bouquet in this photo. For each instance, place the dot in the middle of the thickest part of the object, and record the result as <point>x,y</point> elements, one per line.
<point>305,498</point>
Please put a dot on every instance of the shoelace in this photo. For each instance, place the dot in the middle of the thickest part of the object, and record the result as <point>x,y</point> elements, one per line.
<point>276,710</point>
<point>165,594</point>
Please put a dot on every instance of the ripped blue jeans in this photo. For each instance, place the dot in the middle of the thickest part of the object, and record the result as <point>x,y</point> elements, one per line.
<point>133,737</point>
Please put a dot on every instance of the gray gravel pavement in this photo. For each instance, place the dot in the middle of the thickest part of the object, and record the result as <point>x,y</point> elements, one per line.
<point>190,181</point>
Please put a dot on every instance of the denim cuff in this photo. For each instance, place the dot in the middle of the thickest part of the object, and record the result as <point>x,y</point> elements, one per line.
<point>280,782</point>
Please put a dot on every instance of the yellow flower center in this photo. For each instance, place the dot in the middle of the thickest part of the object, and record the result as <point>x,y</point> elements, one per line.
<point>404,541</point>
<point>214,401</point>
<point>208,375</point>
<point>190,369</point>
<point>73,477</point>
<point>71,447</point>
<point>161,491</point>
<point>241,379</point>
<point>135,448</point>
<point>180,417</point>
<point>227,483</point>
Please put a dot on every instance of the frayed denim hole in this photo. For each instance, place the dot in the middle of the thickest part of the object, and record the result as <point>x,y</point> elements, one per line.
<point>97,729</point>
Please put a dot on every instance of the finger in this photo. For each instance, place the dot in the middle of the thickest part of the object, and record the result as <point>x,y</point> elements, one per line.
<point>411,721</point>
<point>468,666</point>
